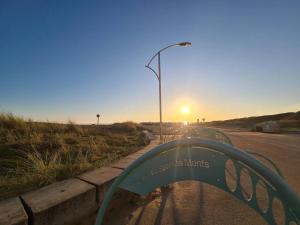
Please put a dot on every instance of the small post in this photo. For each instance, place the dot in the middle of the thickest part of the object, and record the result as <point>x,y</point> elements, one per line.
<point>98,116</point>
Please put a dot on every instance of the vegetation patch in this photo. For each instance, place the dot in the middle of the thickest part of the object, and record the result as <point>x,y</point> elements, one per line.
<point>35,154</point>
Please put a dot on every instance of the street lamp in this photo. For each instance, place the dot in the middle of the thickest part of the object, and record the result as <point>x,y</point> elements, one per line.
<point>158,75</point>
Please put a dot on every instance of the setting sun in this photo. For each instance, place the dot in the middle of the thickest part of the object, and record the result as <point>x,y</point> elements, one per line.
<point>185,109</point>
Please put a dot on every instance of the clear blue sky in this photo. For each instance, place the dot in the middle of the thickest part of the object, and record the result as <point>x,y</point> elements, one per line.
<point>63,60</point>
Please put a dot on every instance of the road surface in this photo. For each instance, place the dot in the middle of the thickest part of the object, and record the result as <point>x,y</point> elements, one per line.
<point>190,202</point>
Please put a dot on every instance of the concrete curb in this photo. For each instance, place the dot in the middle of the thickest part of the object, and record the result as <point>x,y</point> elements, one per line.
<point>60,203</point>
<point>13,212</point>
<point>65,202</point>
<point>101,178</point>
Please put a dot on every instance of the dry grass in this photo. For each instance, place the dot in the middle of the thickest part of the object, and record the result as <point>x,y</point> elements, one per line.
<point>36,154</point>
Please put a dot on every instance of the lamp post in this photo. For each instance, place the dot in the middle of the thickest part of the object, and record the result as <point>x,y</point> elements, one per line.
<point>158,75</point>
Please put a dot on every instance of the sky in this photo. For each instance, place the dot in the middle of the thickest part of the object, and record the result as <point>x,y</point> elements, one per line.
<point>69,60</point>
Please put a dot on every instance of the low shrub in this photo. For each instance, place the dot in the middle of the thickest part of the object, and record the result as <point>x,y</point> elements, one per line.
<point>126,127</point>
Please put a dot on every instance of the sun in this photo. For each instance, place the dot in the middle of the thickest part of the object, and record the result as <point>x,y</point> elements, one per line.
<point>185,109</point>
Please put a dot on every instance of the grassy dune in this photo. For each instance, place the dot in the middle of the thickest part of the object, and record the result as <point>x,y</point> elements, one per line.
<point>34,154</point>
<point>287,121</point>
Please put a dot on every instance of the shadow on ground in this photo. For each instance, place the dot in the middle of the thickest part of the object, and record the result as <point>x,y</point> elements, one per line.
<point>187,203</point>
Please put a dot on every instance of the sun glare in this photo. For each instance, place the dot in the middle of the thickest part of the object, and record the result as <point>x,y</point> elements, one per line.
<point>185,109</point>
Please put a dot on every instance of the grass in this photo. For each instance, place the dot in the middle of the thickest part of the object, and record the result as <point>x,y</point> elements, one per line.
<point>34,154</point>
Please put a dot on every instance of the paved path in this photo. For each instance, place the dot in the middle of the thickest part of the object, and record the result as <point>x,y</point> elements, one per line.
<point>189,203</point>
<point>284,149</point>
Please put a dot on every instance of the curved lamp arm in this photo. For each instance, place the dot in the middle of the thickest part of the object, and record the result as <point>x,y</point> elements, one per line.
<point>152,71</point>
<point>183,44</point>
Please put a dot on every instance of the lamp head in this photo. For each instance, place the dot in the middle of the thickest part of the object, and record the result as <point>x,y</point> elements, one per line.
<point>185,44</point>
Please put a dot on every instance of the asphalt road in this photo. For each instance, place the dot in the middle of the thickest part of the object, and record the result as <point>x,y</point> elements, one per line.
<point>190,202</point>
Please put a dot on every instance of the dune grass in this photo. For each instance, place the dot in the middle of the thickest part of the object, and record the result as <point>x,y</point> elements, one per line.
<point>34,154</point>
